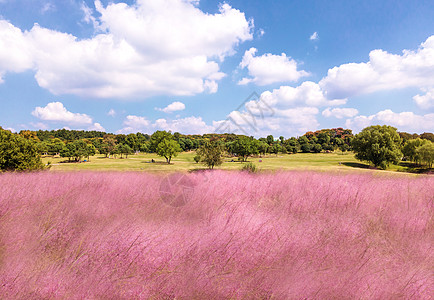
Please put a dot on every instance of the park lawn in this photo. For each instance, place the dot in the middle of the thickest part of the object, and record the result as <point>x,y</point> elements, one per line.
<point>335,161</point>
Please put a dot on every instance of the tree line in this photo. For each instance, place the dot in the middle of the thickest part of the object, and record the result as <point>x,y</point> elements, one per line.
<point>76,146</point>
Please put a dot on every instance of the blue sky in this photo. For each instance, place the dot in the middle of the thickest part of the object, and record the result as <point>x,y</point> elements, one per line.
<point>189,66</point>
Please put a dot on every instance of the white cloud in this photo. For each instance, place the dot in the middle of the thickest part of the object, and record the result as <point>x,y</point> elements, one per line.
<point>425,101</point>
<point>15,51</point>
<point>39,125</point>
<point>48,6</point>
<point>136,121</point>
<point>340,113</point>
<point>165,47</point>
<point>189,125</point>
<point>55,111</point>
<point>308,93</point>
<point>404,121</point>
<point>287,110</point>
<point>269,68</point>
<point>314,36</point>
<point>88,15</point>
<point>111,112</point>
<point>287,122</point>
<point>383,71</point>
<point>174,106</point>
<point>97,127</point>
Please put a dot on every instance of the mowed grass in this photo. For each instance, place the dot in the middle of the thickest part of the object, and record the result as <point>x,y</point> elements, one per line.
<point>185,162</point>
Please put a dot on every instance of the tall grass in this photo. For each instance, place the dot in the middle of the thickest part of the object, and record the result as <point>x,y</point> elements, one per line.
<point>242,236</point>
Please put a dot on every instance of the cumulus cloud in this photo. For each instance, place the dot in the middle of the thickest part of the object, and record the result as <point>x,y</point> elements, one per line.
<point>425,101</point>
<point>314,36</point>
<point>404,121</point>
<point>55,111</point>
<point>340,113</point>
<point>188,125</point>
<point>287,122</point>
<point>383,71</point>
<point>307,94</point>
<point>269,68</point>
<point>15,51</point>
<point>97,127</point>
<point>174,106</point>
<point>148,48</point>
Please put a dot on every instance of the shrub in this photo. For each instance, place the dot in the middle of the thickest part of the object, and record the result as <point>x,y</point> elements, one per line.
<point>250,167</point>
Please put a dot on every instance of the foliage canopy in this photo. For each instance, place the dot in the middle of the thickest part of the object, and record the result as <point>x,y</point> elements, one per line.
<point>379,145</point>
<point>18,153</point>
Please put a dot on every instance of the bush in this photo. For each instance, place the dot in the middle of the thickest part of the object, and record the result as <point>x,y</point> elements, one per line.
<point>250,167</point>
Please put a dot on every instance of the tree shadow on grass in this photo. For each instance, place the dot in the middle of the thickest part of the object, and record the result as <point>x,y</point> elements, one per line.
<point>415,168</point>
<point>356,165</point>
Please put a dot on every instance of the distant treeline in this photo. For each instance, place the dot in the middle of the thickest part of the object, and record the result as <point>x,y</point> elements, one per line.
<point>56,141</point>
<point>76,145</point>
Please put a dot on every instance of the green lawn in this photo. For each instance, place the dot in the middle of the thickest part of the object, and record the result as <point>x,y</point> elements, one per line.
<point>184,162</point>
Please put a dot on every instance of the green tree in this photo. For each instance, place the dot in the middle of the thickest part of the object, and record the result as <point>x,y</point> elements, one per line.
<point>132,141</point>
<point>90,150</point>
<point>55,146</point>
<point>317,148</point>
<point>168,148</point>
<point>409,149</point>
<point>157,137</point>
<point>68,151</point>
<point>275,148</point>
<point>211,154</point>
<point>243,147</point>
<point>18,153</point>
<point>379,145</point>
<point>426,153</point>
<point>125,149</point>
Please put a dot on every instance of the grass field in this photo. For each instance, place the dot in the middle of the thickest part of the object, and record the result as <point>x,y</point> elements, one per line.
<point>185,162</point>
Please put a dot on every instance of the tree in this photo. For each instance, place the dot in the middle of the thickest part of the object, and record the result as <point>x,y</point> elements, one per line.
<point>125,149</point>
<point>168,148</point>
<point>427,136</point>
<point>157,137</point>
<point>378,145</point>
<point>211,154</point>
<point>426,153</point>
<point>262,147</point>
<point>18,153</point>
<point>275,148</point>
<point>409,149</point>
<point>243,147</point>
<point>55,146</point>
<point>90,150</point>
<point>317,148</point>
<point>132,141</point>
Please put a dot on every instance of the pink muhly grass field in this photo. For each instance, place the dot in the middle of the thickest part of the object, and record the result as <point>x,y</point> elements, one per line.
<point>239,235</point>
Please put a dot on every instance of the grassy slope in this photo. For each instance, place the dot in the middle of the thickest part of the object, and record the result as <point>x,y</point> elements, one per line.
<point>185,162</point>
